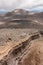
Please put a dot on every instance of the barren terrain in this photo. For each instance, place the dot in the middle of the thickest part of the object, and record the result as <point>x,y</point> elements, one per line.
<point>12,52</point>
<point>21,38</point>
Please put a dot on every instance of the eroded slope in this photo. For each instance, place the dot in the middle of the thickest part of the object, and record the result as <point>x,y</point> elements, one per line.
<point>25,51</point>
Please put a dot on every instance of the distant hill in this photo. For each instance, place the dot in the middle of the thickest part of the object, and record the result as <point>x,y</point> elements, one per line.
<point>22,18</point>
<point>17,12</point>
<point>23,14</point>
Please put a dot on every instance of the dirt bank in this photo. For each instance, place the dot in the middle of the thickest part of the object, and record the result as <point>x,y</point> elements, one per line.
<point>25,50</point>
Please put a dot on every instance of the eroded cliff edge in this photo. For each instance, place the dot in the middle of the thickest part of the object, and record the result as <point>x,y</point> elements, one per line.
<point>25,51</point>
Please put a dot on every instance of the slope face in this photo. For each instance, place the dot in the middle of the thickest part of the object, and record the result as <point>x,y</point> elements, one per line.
<point>25,51</point>
<point>35,54</point>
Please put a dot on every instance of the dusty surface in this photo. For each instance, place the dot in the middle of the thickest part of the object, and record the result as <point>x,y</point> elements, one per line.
<point>29,53</point>
<point>10,38</point>
<point>14,34</point>
<point>20,44</point>
<point>35,54</point>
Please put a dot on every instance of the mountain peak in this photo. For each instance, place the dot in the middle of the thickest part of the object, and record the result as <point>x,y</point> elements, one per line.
<point>20,11</point>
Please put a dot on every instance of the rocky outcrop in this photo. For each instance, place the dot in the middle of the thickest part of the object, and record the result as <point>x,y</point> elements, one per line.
<point>24,52</point>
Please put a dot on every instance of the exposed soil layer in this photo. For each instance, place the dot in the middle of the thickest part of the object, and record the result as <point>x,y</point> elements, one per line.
<point>25,50</point>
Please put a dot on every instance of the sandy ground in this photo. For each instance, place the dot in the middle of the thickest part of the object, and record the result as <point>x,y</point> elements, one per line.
<point>35,54</point>
<point>10,38</point>
<point>14,34</point>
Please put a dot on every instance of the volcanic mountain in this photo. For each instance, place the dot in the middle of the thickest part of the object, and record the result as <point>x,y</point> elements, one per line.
<point>17,12</point>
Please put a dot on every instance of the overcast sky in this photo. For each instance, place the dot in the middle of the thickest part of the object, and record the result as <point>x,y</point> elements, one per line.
<point>15,4</point>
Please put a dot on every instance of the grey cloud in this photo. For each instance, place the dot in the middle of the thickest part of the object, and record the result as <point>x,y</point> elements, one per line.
<point>13,4</point>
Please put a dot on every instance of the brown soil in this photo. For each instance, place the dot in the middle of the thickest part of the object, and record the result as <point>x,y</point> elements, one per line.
<point>21,47</point>
<point>35,54</point>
